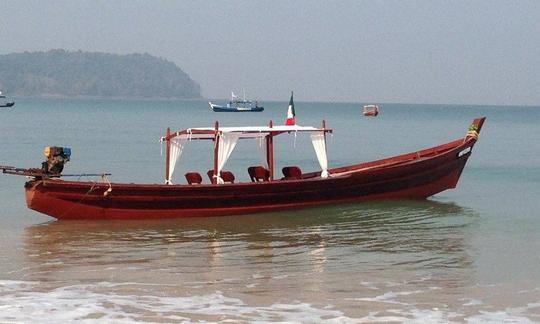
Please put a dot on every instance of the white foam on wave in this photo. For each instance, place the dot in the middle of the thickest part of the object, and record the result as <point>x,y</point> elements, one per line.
<point>437,316</point>
<point>509,315</point>
<point>390,297</point>
<point>370,285</point>
<point>412,316</point>
<point>409,312</point>
<point>471,302</point>
<point>29,302</point>
<point>7,286</point>
<point>23,302</point>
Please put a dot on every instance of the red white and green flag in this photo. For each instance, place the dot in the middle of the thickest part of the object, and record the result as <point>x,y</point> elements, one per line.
<point>290,112</point>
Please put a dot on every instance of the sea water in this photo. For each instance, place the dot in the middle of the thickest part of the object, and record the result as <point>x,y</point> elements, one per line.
<point>467,254</point>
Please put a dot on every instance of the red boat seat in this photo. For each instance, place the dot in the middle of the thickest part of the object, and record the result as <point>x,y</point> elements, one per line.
<point>258,173</point>
<point>193,178</point>
<point>291,173</point>
<point>227,176</point>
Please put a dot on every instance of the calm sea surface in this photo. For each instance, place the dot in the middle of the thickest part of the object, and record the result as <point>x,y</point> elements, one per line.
<point>465,255</point>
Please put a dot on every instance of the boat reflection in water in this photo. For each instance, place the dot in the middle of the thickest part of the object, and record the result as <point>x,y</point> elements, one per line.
<point>413,227</point>
<point>333,254</point>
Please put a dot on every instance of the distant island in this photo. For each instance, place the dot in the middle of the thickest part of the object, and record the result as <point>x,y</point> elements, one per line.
<point>91,74</point>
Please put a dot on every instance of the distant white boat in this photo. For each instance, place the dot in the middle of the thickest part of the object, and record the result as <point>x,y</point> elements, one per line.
<point>371,110</point>
<point>4,103</point>
<point>237,104</point>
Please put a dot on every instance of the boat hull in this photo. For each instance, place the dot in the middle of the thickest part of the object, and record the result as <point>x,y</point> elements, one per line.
<point>218,108</point>
<point>148,208</point>
<point>415,175</point>
<point>226,109</point>
<point>371,113</point>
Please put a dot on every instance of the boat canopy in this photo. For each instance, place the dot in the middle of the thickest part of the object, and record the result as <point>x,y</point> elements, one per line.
<point>242,132</point>
<point>226,139</point>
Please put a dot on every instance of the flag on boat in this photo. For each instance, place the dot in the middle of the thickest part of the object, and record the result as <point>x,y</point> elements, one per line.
<point>290,112</point>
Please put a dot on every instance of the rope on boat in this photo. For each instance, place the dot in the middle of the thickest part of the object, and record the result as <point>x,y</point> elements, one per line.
<point>80,200</point>
<point>472,133</point>
<point>108,191</point>
<point>80,175</point>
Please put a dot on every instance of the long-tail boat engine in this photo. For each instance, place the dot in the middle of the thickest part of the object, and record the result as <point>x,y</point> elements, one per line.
<point>57,157</point>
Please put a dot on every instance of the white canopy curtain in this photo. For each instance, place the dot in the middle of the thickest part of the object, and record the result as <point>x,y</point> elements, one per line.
<point>262,149</point>
<point>177,146</point>
<point>320,149</point>
<point>227,142</point>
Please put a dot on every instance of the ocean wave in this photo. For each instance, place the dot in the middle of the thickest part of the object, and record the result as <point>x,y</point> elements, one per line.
<point>24,301</point>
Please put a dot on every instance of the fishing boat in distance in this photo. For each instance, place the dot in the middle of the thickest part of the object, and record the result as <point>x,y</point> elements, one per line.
<point>237,104</point>
<point>415,175</point>
<point>371,110</point>
<point>4,103</point>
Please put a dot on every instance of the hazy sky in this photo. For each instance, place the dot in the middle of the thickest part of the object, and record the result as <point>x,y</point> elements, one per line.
<point>477,52</point>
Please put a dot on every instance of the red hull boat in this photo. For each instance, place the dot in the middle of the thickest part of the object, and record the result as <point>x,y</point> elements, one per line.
<point>415,175</point>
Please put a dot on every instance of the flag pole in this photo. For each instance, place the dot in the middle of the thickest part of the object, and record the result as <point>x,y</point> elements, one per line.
<point>270,152</point>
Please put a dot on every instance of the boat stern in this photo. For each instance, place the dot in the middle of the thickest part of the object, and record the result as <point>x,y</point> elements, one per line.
<point>29,189</point>
<point>43,202</point>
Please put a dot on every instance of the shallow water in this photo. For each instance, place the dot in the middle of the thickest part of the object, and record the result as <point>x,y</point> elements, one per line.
<point>468,254</point>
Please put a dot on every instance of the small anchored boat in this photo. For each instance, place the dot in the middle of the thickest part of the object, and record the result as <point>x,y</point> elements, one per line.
<point>237,104</point>
<point>415,175</point>
<point>4,103</point>
<point>371,110</point>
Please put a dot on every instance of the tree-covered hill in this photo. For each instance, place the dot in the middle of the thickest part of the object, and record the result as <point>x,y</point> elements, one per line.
<point>64,73</point>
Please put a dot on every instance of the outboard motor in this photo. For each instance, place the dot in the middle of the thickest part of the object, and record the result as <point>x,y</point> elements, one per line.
<point>56,158</point>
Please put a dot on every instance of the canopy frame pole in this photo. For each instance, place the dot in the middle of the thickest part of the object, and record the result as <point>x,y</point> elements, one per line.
<point>216,152</point>
<point>323,126</point>
<point>167,154</point>
<point>270,152</point>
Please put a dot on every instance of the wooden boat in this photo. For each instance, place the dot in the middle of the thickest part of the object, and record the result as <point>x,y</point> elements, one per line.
<point>371,110</point>
<point>415,175</point>
<point>237,104</point>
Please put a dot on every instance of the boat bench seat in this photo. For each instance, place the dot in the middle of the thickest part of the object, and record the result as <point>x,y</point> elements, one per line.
<point>227,176</point>
<point>258,173</point>
<point>291,173</point>
<point>193,178</point>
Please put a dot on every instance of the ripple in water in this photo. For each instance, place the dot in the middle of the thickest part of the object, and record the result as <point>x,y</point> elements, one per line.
<point>388,261</point>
